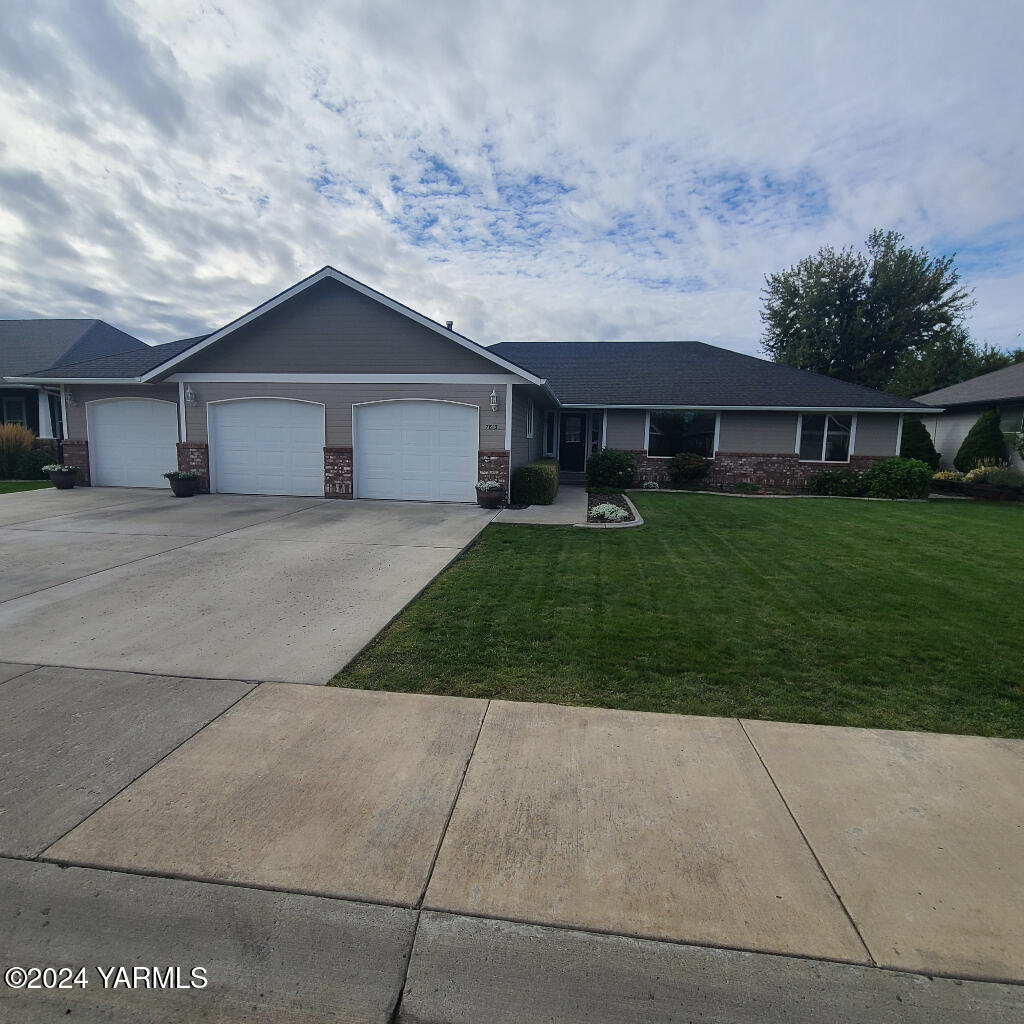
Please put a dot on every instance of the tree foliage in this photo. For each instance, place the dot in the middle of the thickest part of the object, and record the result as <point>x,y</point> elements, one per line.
<point>859,316</point>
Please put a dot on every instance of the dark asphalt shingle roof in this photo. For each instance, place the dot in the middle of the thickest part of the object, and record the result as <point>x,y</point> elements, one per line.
<point>128,365</point>
<point>999,386</point>
<point>684,373</point>
<point>26,345</point>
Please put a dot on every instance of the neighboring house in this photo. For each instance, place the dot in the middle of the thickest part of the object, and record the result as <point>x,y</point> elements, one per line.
<point>963,403</point>
<point>25,345</point>
<point>334,389</point>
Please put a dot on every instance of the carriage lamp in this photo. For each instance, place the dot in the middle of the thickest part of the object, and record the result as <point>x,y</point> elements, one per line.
<point>494,400</point>
<point>190,397</point>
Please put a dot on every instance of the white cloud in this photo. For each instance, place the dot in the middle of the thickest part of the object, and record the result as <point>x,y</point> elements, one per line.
<point>545,171</point>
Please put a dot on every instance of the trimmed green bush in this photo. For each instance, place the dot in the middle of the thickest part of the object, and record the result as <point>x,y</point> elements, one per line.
<point>535,483</point>
<point>844,483</point>
<point>686,467</point>
<point>611,467</point>
<point>30,465</point>
<point>898,478</point>
<point>983,443</point>
<point>917,444</point>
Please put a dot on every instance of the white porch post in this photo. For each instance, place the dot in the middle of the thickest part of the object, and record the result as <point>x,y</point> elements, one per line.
<point>45,421</point>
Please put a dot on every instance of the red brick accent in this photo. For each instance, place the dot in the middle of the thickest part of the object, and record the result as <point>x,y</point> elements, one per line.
<point>337,472</point>
<point>494,466</point>
<point>194,457</point>
<point>774,472</point>
<point>76,453</point>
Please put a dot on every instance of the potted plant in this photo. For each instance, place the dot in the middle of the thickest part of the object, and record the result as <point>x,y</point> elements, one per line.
<point>62,477</point>
<point>183,482</point>
<point>489,494</point>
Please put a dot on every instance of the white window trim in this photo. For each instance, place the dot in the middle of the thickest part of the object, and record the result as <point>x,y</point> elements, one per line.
<point>604,429</point>
<point>647,430</point>
<point>23,422</point>
<point>824,440</point>
<point>529,420</point>
<point>552,452</point>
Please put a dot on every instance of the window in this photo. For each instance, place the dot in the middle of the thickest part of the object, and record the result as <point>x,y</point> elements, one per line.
<point>550,422</point>
<point>1010,418</point>
<point>14,412</point>
<point>683,431</point>
<point>529,420</point>
<point>825,438</point>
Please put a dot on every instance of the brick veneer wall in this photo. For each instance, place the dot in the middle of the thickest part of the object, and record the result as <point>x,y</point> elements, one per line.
<point>776,472</point>
<point>337,472</point>
<point>76,453</point>
<point>194,457</point>
<point>494,466</point>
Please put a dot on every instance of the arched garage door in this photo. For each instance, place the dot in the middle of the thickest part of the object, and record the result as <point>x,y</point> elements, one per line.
<point>416,451</point>
<point>132,441</point>
<point>266,446</point>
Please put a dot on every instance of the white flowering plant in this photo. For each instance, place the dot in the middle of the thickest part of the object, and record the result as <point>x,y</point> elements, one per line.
<point>488,485</point>
<point>58,467</point>
<point>609,513</point>
<point>651,485</point>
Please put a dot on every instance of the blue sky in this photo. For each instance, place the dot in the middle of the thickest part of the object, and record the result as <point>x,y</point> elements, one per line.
<point>556,171</point>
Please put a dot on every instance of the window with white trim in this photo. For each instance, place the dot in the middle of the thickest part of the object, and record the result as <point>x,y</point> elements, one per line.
<point>682,430</point>
<point>550,433</point>
<point>1011,418</point>
<point>14,412</point>
<point>529,419</point>
<point>825,437</point>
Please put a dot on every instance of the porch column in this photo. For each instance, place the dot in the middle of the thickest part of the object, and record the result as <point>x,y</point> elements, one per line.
<point>45,420</point>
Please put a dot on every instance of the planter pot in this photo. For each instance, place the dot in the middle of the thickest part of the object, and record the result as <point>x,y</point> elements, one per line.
<point>64,481</point>
<point>490,499</point>
<point>184,488</point>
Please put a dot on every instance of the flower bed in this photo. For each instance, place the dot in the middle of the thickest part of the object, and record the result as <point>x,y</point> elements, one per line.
<point>605,508</point>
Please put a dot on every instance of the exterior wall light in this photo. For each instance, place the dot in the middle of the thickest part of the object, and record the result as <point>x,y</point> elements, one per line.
<point>69,397</point>
<point>190,397</point>
<point>494,400</point>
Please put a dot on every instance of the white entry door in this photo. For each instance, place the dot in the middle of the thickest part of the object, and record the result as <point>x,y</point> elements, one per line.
<point>267,446</point>
<point>132,441</point>
<point>416,451</point>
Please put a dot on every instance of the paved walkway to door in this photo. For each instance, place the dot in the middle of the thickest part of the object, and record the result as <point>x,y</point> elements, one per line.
<point>569,509</point>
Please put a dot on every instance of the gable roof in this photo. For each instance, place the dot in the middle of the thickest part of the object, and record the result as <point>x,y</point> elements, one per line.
<point>686,374</point>
<point>27,344</point>
<point>1002,385</point>
<point>326,273</point>
<point>117,367</point>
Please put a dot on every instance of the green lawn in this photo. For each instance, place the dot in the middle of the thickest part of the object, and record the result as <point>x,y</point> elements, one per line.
<point>10,486</point>
<point>889,614</point>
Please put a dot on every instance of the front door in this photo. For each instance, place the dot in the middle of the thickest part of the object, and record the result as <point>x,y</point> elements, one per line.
<point>572,444</point>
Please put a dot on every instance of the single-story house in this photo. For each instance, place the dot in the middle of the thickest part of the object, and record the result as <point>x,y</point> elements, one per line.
<point>332,388</point>
<point>25,345</point>
<point>963,403</point>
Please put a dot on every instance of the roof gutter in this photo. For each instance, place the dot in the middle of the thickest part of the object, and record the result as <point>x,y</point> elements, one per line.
<point>74,380</point>
<point>754,408</point>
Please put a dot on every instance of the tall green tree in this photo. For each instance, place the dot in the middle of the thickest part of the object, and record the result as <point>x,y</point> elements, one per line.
<point>856,316</point>
<point>947,362</point>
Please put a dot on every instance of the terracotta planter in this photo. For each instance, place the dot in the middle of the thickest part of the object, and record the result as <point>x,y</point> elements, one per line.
<point>184,488</point>
<point>490,499</point>
<point>64,481</point>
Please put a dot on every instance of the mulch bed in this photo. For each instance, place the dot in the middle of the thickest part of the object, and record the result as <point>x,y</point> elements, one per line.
<point>608,499</point>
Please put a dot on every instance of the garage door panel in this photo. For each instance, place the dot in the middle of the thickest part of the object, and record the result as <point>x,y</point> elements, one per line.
<point>416,451</point>
<point>267,446</point>
<point>132,442</point>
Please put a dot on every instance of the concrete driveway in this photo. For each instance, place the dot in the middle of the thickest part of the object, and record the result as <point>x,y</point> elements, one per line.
<point>223,586</point>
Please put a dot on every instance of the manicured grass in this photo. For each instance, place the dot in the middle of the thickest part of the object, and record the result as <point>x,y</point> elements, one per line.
<point>10,486</point>
<point>887,614</point>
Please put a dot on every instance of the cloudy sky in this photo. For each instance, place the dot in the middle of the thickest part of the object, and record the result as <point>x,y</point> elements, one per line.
<point>573,171</point>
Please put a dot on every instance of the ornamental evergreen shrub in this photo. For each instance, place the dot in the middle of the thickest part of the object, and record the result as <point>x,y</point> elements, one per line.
<point>917,444</point>
<point>535,483</point>
<point>15,444</point>
<point>843,483</point>
<point>30,465</point>
<point>611,467</point>
<point>983,443</point>
<point>686,467</point>
<point>898,478</point>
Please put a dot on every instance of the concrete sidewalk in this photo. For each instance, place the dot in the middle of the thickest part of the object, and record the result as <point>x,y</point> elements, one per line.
<point>569,509</point>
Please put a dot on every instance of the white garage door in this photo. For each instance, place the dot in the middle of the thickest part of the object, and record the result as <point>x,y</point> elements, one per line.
<point>267,446</point>
<point>132,442</point>
<point>416,451</point>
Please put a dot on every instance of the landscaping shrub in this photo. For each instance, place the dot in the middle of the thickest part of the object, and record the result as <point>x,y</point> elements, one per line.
<point>30,465</point>
<point>845,483</point>
<point>611,467</point>
<point>686,467</point>
<point>949,481</point>
<point>15,443</point>
<point>984,442</point>
<point>917,444</point>
<point>1006,477</point>
<point>981,473</point>
<point>608,513</point>
<point>535,483</point>
<point>898,478</point>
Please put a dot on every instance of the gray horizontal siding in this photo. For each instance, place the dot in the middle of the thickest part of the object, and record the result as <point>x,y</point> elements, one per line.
<point>626,429</point>
<point>761,433</point>
<point>339,398</point>
<point>876,434</point>
<point>524,449</point>
<point>75,428</point>
<point>330,328</point>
